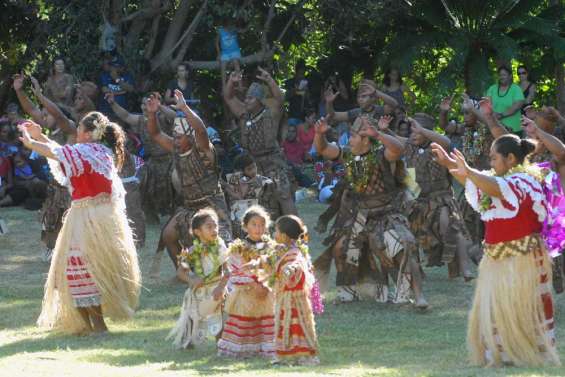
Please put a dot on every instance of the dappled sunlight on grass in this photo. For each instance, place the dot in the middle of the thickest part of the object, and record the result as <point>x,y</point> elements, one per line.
<point>357,339</point>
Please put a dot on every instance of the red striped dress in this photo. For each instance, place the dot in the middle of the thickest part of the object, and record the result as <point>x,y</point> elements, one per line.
<point>249,328</point>
<point>294,327</point>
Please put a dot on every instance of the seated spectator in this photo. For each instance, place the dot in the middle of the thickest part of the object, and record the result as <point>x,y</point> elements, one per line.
<point>14,116</point>
<point>295,155</point>
<point>306,131</point>
<point>115,80</point>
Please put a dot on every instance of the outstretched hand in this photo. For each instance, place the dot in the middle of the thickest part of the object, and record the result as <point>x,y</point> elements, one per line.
<point>441,156</point>
<point>530,127</point>
<point>445,104</point>
<point>384,122</point>
<point>26,138</point>
<point>467,102</point>
<point>462,169</point>
<point>321,126</point>
<point>181,102</point>
<point>34,130</point>
<point>263,75</point>
<point>330,95</point>
<point>485,104</point>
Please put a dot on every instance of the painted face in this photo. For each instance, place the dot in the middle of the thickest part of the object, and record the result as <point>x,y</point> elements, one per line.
<point>59,66</point>
<point>250,171</point>
<point>83,135</point>
<point>255,228</point>
<point>208,231</point>
<point>498,162</point>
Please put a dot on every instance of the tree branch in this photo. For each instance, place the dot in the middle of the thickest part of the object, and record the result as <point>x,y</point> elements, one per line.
<point>257,57</point>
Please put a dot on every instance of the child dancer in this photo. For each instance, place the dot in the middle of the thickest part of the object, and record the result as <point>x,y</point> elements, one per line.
<point>203,268</point>
<point>511,321</point>
<point>295,330</point>
<point>248,330</point>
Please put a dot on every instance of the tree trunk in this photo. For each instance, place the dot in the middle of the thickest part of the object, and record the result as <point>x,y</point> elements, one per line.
<point>173,33</point>
<point>559,69</point>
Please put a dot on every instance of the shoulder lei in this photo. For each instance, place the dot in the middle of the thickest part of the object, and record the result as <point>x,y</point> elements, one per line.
<point>193,257</point>
<point>359,169</point>
<point>249,251</point>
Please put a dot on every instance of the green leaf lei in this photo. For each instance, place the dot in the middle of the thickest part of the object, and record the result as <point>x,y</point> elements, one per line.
<point>280,251</point>
<point>359,169</point>
<point>193,257</point>
<point>535,171</point>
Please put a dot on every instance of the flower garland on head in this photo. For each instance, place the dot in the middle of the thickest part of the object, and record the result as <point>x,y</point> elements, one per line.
<point>193,257</point>
<point>359,169</point>
<point>100,130</point>
<point>535,171</point>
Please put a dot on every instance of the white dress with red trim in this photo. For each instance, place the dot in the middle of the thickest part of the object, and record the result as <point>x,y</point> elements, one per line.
<point>94,261</point>
<point>511,321</point>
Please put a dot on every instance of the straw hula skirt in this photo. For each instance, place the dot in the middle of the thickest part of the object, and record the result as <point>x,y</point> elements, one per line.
<point>94,263</point>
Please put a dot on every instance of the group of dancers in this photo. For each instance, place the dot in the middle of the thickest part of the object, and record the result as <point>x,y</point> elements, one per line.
<point>257,294</point>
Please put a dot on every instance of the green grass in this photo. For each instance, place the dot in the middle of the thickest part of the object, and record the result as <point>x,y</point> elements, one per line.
<point>359,339</point>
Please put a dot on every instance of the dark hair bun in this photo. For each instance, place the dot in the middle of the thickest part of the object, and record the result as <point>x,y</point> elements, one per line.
<point>527,146</point>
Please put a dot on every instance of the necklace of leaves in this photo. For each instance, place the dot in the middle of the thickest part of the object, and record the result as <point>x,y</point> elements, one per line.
<point>280,251</point>
<point>194,255</point>
<point>359,169</point>
<point>474,142</point>
<point>536,172</point>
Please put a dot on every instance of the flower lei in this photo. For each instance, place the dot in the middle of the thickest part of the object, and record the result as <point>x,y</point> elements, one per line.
<point>359,169</point>
<point>193,257</point>
<point>535,171</point>
<point>281,250</point>
<point>250,251</point>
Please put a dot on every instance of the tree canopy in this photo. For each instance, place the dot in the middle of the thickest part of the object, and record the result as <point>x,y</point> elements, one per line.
<point>441,46</point>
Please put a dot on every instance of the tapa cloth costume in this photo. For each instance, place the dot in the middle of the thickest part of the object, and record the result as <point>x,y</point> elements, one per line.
<point>433,197</point>
<point>377,241</point>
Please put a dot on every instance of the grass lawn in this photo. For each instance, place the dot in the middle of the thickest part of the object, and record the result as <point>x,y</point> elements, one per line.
<point>359,339</point>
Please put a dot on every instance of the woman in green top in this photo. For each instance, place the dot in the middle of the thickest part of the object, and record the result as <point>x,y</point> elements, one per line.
<point>507,99</point>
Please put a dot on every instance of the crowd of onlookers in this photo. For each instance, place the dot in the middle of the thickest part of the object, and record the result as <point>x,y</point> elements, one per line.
<point>23,175</point>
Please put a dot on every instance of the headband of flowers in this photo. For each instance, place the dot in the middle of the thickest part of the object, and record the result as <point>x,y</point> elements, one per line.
<point>100,130</point>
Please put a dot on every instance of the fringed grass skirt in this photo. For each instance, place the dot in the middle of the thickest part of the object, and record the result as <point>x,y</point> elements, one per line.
<point>511,321</point>
<point>96,231</point>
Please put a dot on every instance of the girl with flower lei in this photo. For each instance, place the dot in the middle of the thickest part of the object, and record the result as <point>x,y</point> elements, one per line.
<point>511,320</point>
<point>295,328</point>
<point>248,330</point>
<point>203,267</point>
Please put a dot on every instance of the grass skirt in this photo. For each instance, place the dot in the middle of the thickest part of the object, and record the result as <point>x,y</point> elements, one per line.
<point>100,229</point>
<point>511,321</point>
